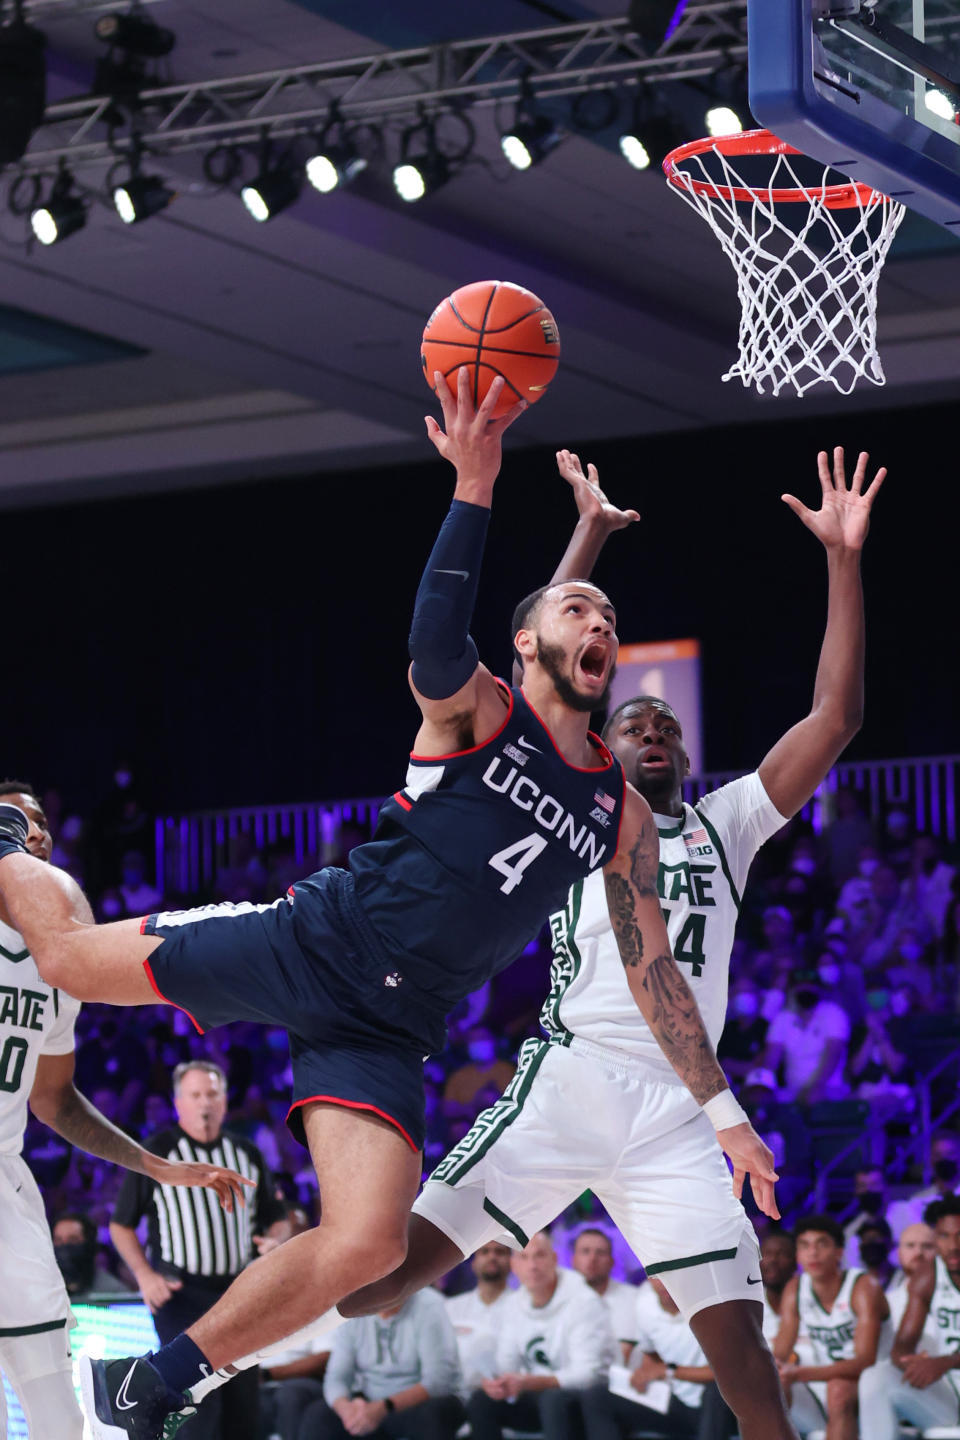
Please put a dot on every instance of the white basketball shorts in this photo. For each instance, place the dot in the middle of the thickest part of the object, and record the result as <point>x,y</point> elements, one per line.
<point>582,1117</point>
<point>33,1297</point>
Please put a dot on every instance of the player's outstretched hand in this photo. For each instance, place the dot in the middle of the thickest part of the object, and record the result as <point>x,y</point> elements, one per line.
<point>470,438</point>
<point>227,1184</point>
<point>751,1157</point>
<point>843,519</point>
<point>591,502</point>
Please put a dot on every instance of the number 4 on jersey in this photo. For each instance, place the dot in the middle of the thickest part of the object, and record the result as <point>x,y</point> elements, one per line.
<point>521,853</point>
<point>688,945</point>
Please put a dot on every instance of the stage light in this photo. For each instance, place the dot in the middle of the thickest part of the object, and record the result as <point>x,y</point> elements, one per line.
<point>274,189</point>
<point>23,87</point>
<point>651,134</point>
<point>723,120</point>
<point>335,158</point>
<point>530,140</point>
<point>939,103</point>
<point>136,34</point>
<point>140,197</point>
<point>63,214</point>
<point>420,175</point>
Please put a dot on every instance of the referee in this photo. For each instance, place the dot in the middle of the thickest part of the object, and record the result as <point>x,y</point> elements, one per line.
<point>194,1248</point>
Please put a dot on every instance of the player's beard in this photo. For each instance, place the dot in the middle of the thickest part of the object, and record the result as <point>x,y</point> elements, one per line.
<point>553,659</point>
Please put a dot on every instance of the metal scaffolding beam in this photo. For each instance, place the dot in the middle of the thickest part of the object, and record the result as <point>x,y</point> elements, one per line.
<point>393,85</point>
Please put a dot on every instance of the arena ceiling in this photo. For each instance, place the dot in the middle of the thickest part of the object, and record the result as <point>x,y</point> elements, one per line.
<point>201,346</point>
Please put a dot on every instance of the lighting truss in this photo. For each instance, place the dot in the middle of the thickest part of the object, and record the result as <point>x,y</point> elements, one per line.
<point>395,85</point>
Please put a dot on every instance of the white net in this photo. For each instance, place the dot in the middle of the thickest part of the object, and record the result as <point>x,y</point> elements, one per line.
<point>807,271</point>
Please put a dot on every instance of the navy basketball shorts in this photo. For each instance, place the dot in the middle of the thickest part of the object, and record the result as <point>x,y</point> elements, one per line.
<point>221,963</point>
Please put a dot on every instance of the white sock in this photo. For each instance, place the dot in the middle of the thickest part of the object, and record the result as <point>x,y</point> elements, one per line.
<point>325,1324</point>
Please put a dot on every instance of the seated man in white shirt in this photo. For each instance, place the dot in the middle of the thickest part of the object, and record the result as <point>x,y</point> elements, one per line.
<point>593,1259</point>
<point>392,1374</point>
<point>666,1353</point>
<point>810,1036</point>
<point>477,1315</point>
<point>556,1341</point>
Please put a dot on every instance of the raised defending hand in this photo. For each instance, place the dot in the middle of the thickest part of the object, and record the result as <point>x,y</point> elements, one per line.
<point>227,1184</point>
<point>843,519</point>
<point>470,438</point>
<point>751,1157</point>
<point>592,504</point>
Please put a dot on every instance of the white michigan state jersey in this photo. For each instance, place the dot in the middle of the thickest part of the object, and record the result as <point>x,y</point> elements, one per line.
<point>945,1319</point>
<point>35,1020</point>
<point>704,860</point>
<point>830,1332</point>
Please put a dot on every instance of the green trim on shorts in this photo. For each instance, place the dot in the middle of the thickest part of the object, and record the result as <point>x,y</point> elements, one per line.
<point>566,963</point>
<point>808,1386</point>
<point>689,1260</point>
<point>13,1330</point>
<point>722,853</point>
<point>509,1225</point>
<point>491,1123</point>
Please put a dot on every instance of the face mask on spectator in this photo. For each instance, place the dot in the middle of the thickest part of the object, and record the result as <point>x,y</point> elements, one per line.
<point>805,999</point>
<point>873,1252</point>
<point>745,1004</point>
<point>76,1262</point>
<point>871,1201</point>
<point>829,973</point>
<point>868,865</point>
<point>910,950</point>
<point>945,1169</point>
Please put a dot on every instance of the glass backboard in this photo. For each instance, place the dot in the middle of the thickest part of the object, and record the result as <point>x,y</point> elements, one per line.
<point>871,87</point>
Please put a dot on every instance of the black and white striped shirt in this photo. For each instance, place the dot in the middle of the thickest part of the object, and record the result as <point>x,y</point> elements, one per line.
<point>189,1234</point>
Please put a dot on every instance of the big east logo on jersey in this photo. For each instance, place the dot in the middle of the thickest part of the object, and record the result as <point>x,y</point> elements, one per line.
<point>548,812</point>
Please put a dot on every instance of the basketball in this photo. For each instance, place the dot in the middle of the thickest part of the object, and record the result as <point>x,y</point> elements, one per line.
<point>494,328</point>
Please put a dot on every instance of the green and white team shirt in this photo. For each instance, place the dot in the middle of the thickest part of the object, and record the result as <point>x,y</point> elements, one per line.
<point>704,860</point>
<point>945,1320</point>
<point>830,1332</point>
<point>35,1020</point>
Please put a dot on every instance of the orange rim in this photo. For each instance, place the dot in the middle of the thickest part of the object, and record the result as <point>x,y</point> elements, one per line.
<point>758,142</point>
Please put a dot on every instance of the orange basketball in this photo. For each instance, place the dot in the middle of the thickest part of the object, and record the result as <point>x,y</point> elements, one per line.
<point>494,328</point>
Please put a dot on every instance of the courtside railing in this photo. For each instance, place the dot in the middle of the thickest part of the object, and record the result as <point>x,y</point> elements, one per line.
<point>192,850</point>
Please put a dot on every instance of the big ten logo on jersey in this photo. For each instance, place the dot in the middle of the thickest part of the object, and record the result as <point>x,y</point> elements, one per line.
<point>693,883</point>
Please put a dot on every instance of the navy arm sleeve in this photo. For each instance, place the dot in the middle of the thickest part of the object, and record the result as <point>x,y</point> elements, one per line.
<point>442,650</point>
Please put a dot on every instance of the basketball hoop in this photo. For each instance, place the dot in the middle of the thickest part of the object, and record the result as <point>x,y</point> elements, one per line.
<point>807,277</point>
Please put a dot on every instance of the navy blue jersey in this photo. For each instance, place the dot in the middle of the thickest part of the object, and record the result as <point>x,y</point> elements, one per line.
<point>479,848</point>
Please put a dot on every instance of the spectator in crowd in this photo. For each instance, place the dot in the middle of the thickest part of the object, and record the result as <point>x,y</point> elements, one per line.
<point>477,1314</point>
<point>930,882</point>
<point>809,1038</point>
<point>843,1313</point>
<point>593,1259</point>
<point>918,1383</point>
<point>846,835</point>
<point>877,1071</point>
<point>75,1246</point>
<point>778,1265</point>
<point>482,1071</point>
<point>893,917</point>
<point>194,1252</point>
<point>555,1342</point>
<point>296,1383</point>
<point>917,1247</point>
<point>870,1203</point>
<point>744,1033</point>
<point>666,1354</point>
<point>781,1127</point>
<point>875,1241</point>
<point>140,897</point>
<point>945,1163</point>
<point>393,1374</point>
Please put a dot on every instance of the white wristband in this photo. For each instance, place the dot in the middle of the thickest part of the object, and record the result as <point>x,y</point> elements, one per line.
<point>724,1110</point>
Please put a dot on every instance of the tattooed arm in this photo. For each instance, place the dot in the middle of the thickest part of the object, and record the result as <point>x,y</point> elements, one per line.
<point>56,1101</point>
<point>663,996</point>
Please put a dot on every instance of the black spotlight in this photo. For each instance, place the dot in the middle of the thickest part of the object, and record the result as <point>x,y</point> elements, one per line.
<point>651,134</point>
<point>136,34</point>
<point>274,189</point>
<point>63,214</point>
<point>140,197</point>
<point>530,138</point>
<point>23,87</point>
